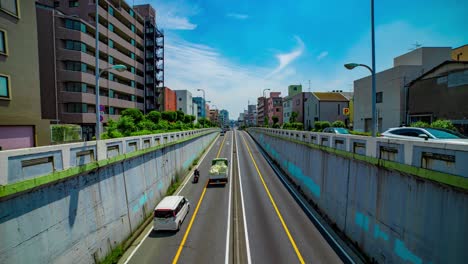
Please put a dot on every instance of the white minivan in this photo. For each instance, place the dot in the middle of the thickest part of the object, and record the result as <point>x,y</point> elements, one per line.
<point>170,213</point>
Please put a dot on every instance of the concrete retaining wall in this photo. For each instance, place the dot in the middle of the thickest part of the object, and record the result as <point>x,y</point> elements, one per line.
<point>394,216</point>
<point>81,218</point>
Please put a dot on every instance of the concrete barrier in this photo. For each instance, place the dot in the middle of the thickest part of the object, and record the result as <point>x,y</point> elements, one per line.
<point>78,214</point>
<point>381,193</point>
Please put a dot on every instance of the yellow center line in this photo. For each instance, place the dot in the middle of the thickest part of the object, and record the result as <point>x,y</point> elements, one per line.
<point>176,258</point>
<point>299,256</point>
<point>221,147</point>
<point>184,239</point>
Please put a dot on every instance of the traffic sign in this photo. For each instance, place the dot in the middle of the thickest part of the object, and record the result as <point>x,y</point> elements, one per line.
<point>345,111</point>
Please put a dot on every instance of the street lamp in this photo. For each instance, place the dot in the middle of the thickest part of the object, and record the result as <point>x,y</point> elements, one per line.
<point>351,66</point>
<point>117,67</point>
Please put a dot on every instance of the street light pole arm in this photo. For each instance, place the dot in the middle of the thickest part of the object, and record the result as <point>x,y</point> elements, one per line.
<point>367,67</point>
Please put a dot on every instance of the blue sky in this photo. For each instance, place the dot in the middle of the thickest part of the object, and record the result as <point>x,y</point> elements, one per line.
<point>235,49</point>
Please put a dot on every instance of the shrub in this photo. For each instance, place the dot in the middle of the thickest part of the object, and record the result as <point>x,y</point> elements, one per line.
<point>65,133</point>
<point>319,126</point>
<point>445,124</point>
<point>141,133</point>
<point>136,114</point>
<point>170,116</point>
<point>146,124</point>
<point>126,125</point>
<point>338,123</point>
<point>419,124</point>
<point>154,116</point>
<point>180,115</point>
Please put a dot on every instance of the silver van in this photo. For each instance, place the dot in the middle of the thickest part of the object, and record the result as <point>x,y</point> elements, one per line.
<point>170,213</point>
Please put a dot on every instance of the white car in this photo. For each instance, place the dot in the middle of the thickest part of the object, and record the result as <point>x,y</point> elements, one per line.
<point>170,213</point>
<point>425,134</point>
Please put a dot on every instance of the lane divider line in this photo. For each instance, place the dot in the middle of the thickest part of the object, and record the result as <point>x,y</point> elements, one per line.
<point>228,231</point>
<point>184,239</point>
<point>247,243</point>
<point>291,240</point>
<point>178,192</point>
<point>176,258</point>
<point>345,256</point>
<point>191,174</point>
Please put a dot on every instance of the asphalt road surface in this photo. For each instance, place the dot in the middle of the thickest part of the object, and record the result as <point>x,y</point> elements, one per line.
<point>251,219</point>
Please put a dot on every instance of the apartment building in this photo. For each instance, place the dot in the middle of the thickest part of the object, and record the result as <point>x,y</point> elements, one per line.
<point>21,125</point>
<point>170,101</point>
<point>184,101</point>
<point>201,110</point>
<point>66,34</point>
<point>275,107</point>
<point>262,110</point>
<point>154,60</point>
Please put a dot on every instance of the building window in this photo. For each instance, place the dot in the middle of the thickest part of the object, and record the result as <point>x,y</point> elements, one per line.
<point>3,43</point>
<point>180,99</point>
<point>379,97</point>
<point>110,10</point>
<point>4,87</point>
<point>132,70</point>
<point>76,66</point>
<point>133,98</point>
<point>73,3</point>
<point>110,43</point>
<point>132,55</point>
<point>111,60</point>
<point>111,110</point>
<point>76,87</point>
<point>339,108</point>
<point>111,76</point>
<point>110,27</point>
<point>132,14</point>
<point>132,84</point>
<point>10,7</point>
<point>132,41</point>
<point>132,27</point>
<point>111,93</point>
<point>75,45</point>
<point>77,108</point>
<point>75,25</point>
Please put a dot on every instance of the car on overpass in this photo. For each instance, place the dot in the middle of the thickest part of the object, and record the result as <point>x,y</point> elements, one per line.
<point>336,130</point>
<point>425,134</point>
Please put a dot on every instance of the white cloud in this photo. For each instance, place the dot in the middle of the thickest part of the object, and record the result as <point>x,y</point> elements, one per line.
<point>190,66</point>
<point>238,16</point>
<point>175,22</point>
<point>173,15</point>
<point>286,58</point>
<point>322,55</point>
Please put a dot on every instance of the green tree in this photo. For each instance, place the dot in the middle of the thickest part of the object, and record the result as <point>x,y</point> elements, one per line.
<point>293,117</point>
<point>265,121</point>
<point>146,124</point>
<point>180,115</point>
<point>154,116</point>
<point>126,125</point>
<point>170,116</point>
<point>134,113</point>
<point>275,119</point>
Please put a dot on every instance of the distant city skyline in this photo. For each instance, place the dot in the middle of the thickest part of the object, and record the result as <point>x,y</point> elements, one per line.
<point>235,50</point>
